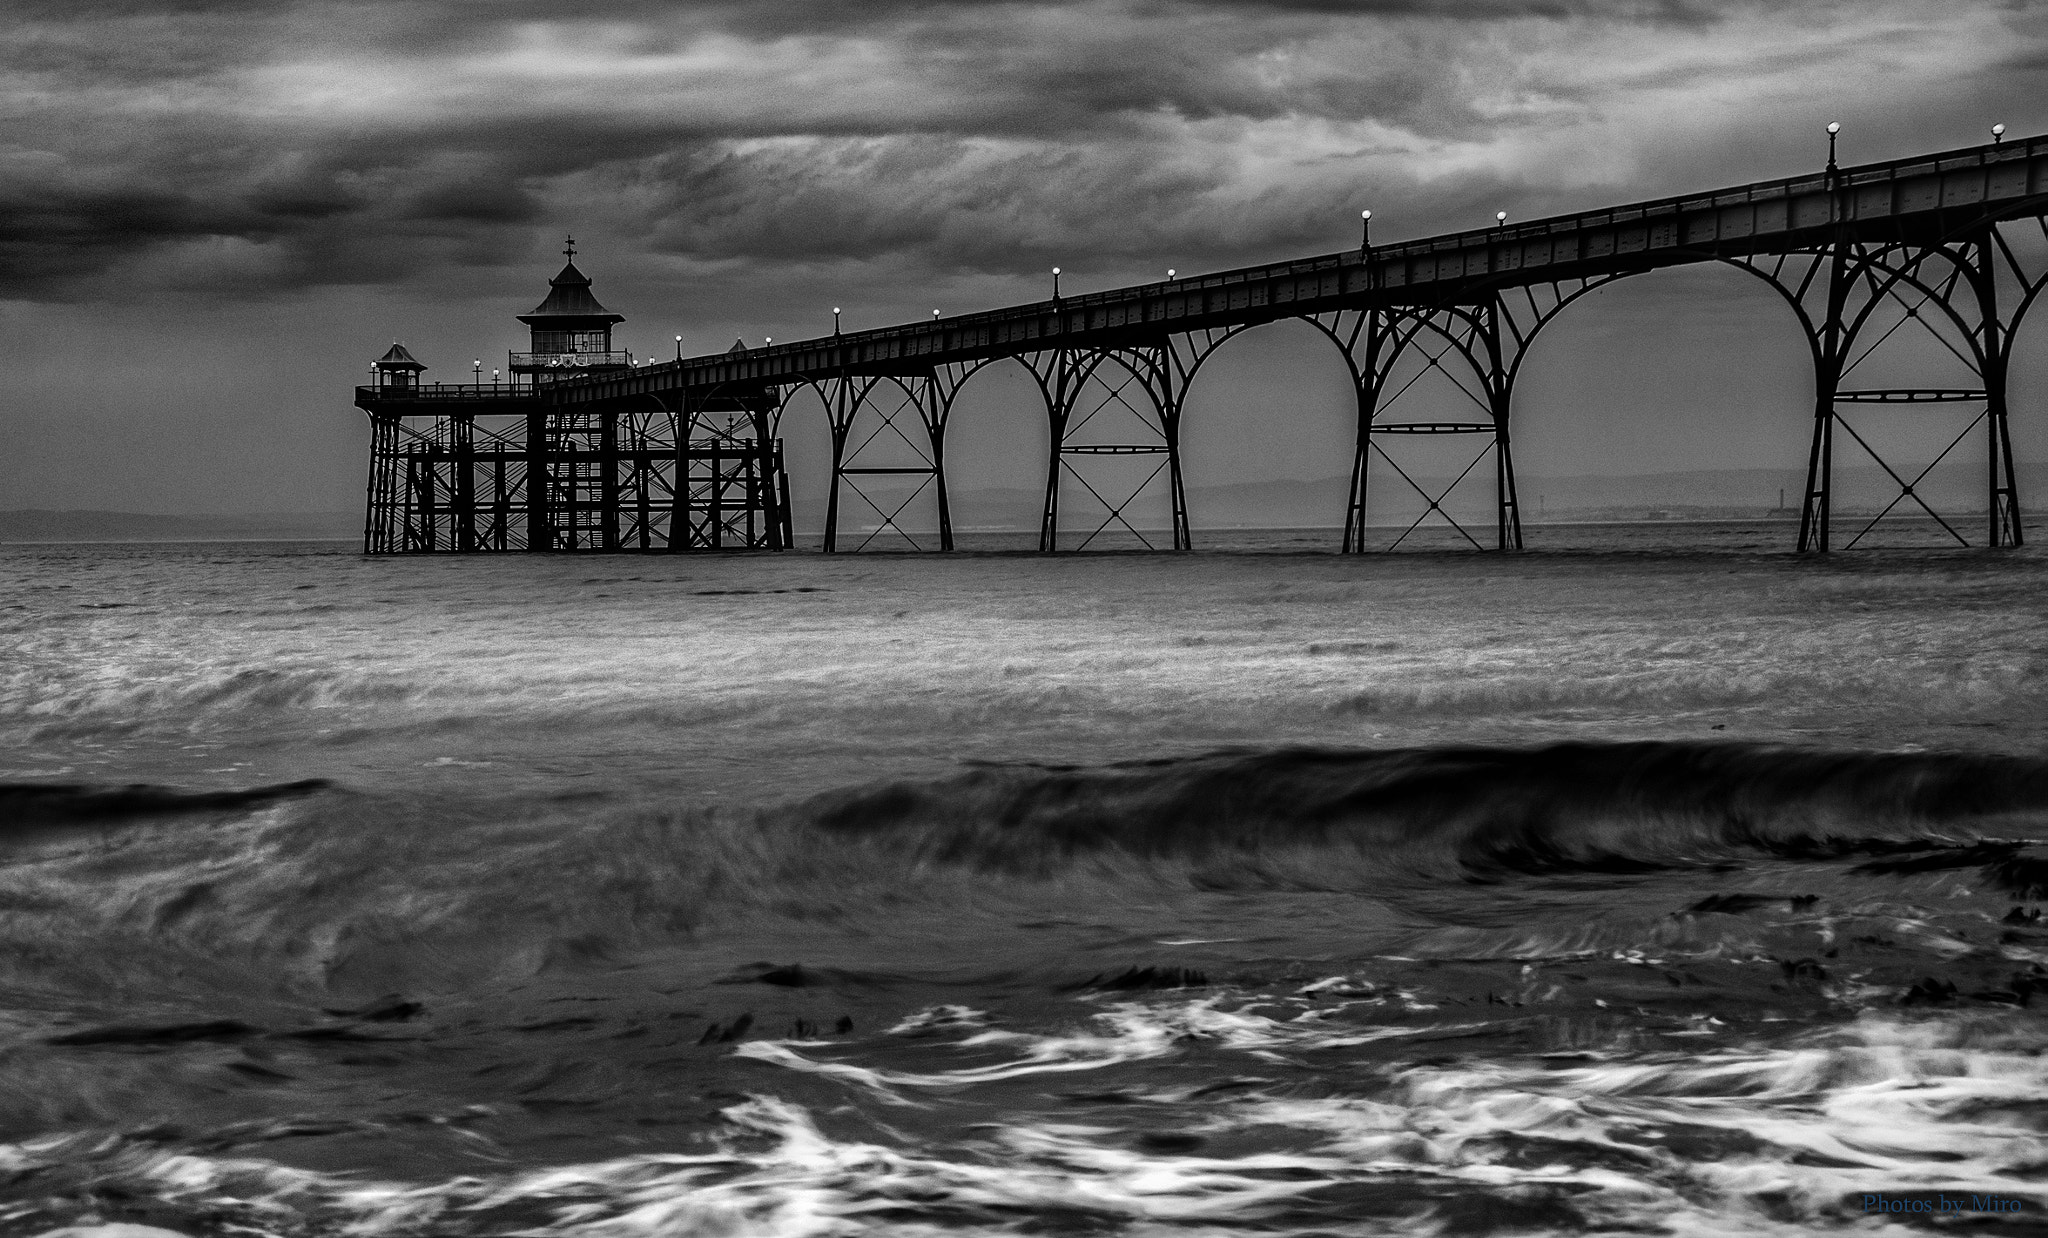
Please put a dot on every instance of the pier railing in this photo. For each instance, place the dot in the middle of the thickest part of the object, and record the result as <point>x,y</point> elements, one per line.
<point>569,361</point>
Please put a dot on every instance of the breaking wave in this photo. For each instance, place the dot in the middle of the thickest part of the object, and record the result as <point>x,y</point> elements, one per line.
<point>1473,813</point>
<point>312,884</point>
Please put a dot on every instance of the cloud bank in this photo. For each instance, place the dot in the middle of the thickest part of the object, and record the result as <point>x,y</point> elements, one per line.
<point>259,147</point>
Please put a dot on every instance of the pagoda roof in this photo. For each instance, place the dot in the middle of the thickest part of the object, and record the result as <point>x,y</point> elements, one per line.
<point>569,299</point>
<point>399,359</point>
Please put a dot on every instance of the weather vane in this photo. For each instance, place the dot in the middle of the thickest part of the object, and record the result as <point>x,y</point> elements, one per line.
<point>569,249</point>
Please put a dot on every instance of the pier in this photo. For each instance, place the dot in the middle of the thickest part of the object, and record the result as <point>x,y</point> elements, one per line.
<point>584,450</point>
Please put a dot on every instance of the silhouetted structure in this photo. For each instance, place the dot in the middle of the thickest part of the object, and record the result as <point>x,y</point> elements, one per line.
<point>571,331</point>
<point>1857,253</point>
<point>512,465</point>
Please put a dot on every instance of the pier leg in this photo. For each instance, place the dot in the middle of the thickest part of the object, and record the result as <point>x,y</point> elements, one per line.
<point>782,503</point>
<point>775,516</point>
<point>684,421</point>
<point>1369,347</point>
<point>2002,485</point>
<point>2005,490</point>
<point>1170,399</point>
<point>462,499</point>
<point>1815,513</point>
<point>840,406</point>
<point>419,503</point>
<point>608,479</point>
<point>1507,504</point>
<point>750,485</point>
<point>937,428</point>
<point>380,523</point>
<point>539,534</point>
<point>1354,507</point>
<point>1058,407</point>
<point>936,395</point>
<point>715,516</point>
<point>1500,396</point>
<point>1502,351</point>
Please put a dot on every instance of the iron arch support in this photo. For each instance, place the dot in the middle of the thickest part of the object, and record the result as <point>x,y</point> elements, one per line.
<point>1545,317</point>
<point>1064,377</point>
<point>1167,368</point>
<point>1895,276</point>
<point>1493,338</point>
<point>1372,342</point>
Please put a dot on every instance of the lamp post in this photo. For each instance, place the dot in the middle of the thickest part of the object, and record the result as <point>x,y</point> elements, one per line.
<point>1365,229</point>
<point>476,372</point>
<point>1055,283</point>
<point>1834,127</point>
<point>1997,134</point>
<point>679,348</point>
<point>835,320</point>
<point>1170,272</point>
<point>1500,219</point>
<point>494,378</point>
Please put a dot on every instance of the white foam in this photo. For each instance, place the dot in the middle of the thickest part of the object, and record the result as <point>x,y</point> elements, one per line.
<point>1746,1141</point>
<point>1131,1031</point>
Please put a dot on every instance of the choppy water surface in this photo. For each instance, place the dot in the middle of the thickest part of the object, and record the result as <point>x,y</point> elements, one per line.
<point>1626,890</point>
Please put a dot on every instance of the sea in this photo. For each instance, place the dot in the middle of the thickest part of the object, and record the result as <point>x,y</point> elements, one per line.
<point>1654,880</point>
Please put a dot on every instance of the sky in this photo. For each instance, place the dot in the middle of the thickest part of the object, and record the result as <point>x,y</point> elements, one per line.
<point>214,215</point>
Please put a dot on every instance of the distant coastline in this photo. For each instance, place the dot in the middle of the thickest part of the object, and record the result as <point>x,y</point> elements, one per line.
<point>39,526</point>
<point>1955,490</point>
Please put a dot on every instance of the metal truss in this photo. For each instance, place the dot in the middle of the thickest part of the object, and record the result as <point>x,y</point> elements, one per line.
<point>1142,387</point>
<point>727,485</point>
<point>873,420</point>
<point>724,498</point>
<point>2009,284</point>
<point>453,484</point>
<point>571,479</point>
<point>1854,298</point>
<point>578,484</point>
<point>644,477</point>
<point>1486,343</point>
<point>1856,292</point>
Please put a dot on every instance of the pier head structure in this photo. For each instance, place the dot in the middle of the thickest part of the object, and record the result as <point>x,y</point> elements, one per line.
<point>1947,249</point>
<point>517,463</point>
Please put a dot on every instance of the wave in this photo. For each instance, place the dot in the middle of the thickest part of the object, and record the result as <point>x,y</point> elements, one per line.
<point>311,884</point>
<point>1472,813</point>
<point>35,804</point>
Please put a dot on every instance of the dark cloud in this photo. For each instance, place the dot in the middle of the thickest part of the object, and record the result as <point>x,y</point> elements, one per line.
<point>1684,12</point>
<point>280,144</point>
<point>474,202</point>
<point>60,232</point>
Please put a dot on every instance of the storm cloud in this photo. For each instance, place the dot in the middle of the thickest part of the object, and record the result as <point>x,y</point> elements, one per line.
<point>237,149</point>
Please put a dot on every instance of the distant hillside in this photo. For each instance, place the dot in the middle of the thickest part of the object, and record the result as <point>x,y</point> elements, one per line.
<point>1957,487</point>
<point>35,525</point>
